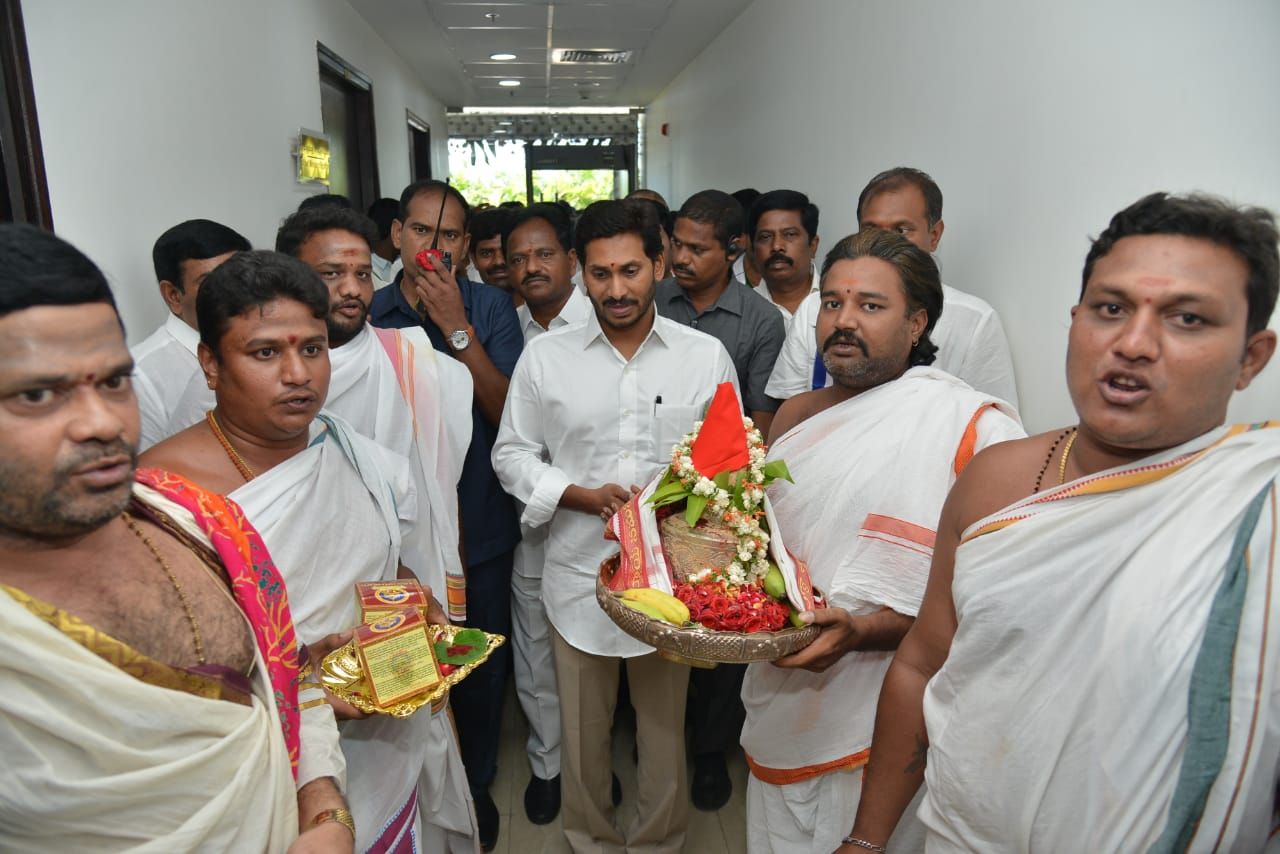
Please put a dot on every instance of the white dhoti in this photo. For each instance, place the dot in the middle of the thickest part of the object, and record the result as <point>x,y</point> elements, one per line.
<point>813,815</point>
<point>871,475</point>
<point>1114,680</point>
<point>291,505</point>
<point>105,749</point>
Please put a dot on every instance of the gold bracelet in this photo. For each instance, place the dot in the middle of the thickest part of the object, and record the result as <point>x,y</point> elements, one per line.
<point>341,816</point>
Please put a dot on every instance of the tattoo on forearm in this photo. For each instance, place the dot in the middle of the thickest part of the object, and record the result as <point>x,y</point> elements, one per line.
<point>917,763</point>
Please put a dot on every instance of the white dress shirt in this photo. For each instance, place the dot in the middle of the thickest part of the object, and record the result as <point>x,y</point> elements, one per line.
<point>384,271</point>
<point>575,309</point>
<point>763,290</point>
<point>969,335</point>
<point>577,412</point>
<point>164,365</point>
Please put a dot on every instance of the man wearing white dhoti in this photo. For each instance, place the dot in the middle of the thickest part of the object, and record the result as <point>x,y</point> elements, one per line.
<point>268,399</point>
<point>1099,620</point>
<point>391,386</point>
<point>165,361</point>
<point>874,454</point>
<point>149,665</point>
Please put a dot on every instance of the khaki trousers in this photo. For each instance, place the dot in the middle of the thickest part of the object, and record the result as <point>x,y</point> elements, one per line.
<point>588,694</point>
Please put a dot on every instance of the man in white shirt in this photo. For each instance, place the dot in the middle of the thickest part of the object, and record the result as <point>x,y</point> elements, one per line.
<point>386,257</point>
<point>486,229</point>
<point>166,360</point>
<point>970,338</point>
<point>537,244</point>
<point>593,411</point>
<point>783,229</point>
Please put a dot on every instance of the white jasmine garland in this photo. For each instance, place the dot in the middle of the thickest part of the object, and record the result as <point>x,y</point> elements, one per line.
<point>738,504</point>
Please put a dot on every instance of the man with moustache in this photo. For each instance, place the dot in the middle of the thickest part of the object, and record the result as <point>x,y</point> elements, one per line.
<point>389,384</point>
<point>574,459</point>
<point>267,446</point>
<point>166,359</point>
<point>485,232</point>
<point>538,245</point>
<point>149,660</point>
<point>477,326</point>
<point>782,228</point>
<point>970,338</point>
<point>874,454</point>
<point>704,295</point>
<point>1093,667</point>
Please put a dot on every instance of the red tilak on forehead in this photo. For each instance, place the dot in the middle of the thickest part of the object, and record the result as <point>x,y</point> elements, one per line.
<point>293,339</point>
<point>90,377</point>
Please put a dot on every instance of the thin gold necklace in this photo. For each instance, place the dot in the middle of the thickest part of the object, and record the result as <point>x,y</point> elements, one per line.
<point>232,453</point>
<point>173,579</point>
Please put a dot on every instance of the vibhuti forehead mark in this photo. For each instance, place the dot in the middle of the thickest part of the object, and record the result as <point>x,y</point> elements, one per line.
<point>1158,281</point>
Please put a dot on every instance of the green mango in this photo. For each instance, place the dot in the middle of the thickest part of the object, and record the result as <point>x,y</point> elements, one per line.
<point>794,618</point>
<point>774,584</point>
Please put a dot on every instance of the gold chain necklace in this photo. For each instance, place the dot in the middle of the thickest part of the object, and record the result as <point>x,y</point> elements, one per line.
<point>1066,452</point>
<point>173,579</point>
<point>232,454</point>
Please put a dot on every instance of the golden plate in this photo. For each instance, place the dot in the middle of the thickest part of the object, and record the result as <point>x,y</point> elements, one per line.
<point>341,674</point>
<point>695,645</point>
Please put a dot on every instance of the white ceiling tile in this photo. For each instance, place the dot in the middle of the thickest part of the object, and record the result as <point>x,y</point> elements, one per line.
<point>457,15</point>
<point>609,17</point>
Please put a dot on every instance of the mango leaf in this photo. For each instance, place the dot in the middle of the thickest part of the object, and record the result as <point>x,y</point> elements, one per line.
<point>693,512</point>
<point>776,470</point>
<point>666,491</point>
<point>670,499</point>
<point>722,480</point>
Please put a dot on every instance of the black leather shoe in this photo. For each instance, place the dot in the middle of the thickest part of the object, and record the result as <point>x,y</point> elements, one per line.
<point>486,818</point>
<point>710,788</point>
<point>616,790</point>
<point>542,799</point>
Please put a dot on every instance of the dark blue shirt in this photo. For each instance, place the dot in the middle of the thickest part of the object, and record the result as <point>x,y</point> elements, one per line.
<point>490,526</point>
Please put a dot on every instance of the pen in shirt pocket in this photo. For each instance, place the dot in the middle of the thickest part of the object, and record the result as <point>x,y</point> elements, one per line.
<point>657,401</point>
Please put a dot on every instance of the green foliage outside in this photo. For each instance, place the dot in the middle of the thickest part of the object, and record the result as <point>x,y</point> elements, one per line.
<point>497,175</point>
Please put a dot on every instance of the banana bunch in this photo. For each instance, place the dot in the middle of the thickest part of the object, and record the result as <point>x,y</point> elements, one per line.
<point>656,605</point>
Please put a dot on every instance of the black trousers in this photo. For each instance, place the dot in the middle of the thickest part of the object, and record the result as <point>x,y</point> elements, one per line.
<point>715,712</point>
<point>477,700</point>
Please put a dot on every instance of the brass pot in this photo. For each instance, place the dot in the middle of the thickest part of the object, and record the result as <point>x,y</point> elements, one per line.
<point>689,551</point>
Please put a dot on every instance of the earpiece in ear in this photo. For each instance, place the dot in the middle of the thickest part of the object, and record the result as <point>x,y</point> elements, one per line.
<point>734,249</point>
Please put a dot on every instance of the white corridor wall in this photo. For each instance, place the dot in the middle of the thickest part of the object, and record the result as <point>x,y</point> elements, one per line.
<point>155,112</point>
<point>1038,120</point>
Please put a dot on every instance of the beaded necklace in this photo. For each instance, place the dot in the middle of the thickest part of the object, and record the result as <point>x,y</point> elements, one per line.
<point>1062,465</point>
<point>232,454</point>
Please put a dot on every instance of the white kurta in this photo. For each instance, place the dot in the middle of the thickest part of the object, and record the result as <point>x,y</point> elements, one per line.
<point>970,338</point>
<point>321,558</point>
<point>871,475</point>
<point>1114,680</point>
<point>165,364</point>
<point>579,413</point>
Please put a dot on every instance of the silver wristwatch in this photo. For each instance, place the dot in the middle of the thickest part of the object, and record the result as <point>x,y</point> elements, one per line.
<point>459,340</point>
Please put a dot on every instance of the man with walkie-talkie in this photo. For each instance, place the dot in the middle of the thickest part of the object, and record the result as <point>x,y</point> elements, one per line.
<point>477,325</point>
